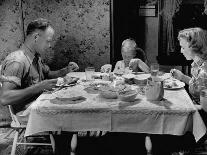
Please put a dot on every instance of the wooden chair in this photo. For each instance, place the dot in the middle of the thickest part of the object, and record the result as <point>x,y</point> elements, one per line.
<point>19,134</point>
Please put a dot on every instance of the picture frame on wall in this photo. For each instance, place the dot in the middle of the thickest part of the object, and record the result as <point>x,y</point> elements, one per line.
<point>148,8</point>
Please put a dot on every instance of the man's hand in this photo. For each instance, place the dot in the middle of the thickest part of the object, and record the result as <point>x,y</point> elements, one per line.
<point>72,66</point>
<point>47,84</point>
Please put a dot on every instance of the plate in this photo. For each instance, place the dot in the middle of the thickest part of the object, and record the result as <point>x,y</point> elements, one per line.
<point>128,76</point>
<point>173,84</point>
<point>142,76</point>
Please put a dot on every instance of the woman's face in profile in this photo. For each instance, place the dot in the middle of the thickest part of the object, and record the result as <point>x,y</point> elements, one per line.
<point>185,49</point>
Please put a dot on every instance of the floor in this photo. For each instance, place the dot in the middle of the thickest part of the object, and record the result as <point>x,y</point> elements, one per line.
<point>6,143</point>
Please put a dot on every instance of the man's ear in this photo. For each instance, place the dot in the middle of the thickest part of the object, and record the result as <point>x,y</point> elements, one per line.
<point>36,36</point>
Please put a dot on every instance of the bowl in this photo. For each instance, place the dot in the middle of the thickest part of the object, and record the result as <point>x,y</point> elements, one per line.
<point>128,96</point>
<point>141,79</point>
<point>108,92</point>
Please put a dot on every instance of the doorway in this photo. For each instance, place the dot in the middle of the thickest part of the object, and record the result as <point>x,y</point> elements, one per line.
<point>125,23</point>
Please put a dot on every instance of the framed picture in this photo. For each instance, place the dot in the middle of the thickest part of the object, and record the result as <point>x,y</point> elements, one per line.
<point>148,8</point>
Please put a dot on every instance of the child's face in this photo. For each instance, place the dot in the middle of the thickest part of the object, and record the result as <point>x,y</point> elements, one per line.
<point>127,54</point>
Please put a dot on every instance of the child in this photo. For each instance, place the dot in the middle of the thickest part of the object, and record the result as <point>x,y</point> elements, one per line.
<point>129,51</point>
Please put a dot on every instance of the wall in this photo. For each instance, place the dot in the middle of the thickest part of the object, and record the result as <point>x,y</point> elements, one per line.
<point>151,38</point>
<point>10,27</point>
<point>82,29</point>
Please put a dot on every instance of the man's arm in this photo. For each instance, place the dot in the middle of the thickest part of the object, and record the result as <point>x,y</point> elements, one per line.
<point>72,66</point>
<point>59,73</point>
<point>10,95</point>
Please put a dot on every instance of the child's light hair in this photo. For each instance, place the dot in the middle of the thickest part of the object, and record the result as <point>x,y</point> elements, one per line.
<point>129,44</point>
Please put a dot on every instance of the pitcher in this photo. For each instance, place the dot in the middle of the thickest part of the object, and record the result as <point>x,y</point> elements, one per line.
<point>154,90</point>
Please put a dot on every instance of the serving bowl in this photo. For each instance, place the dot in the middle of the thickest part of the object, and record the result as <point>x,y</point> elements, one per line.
<point>108,94</point>
<point>127,96</point>
<point>141,79</point>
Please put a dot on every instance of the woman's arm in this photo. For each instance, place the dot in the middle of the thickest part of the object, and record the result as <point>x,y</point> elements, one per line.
<point>185,79</point>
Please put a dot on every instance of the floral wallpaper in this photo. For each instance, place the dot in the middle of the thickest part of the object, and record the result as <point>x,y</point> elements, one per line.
<point>81,26</point>
<point>10,39</point>
<point>82,30</point>
<point>10,27</point>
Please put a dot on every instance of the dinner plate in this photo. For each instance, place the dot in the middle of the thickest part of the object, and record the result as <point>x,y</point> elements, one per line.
<point>173,84</point>
<point>128,76</point>
<point>142,76</point>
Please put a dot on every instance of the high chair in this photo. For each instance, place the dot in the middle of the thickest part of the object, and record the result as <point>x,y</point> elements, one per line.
<point>19,138</point>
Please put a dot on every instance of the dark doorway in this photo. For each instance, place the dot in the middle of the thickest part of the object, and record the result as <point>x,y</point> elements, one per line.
<point>126,23</point>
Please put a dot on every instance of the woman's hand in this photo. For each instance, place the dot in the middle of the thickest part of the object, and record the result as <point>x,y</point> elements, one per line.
<point>177,74</point>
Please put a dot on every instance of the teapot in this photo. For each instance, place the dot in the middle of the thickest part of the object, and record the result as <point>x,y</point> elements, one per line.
<point>154,90</point>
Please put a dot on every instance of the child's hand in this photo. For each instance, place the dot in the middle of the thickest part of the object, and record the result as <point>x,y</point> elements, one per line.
<point>133,64</point>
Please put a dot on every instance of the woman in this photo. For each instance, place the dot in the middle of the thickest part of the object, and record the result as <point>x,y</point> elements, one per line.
<point>193,42</point>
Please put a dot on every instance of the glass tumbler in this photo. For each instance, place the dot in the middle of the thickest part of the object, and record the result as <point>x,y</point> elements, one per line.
<point>89,72</point>
<point>154,68</point>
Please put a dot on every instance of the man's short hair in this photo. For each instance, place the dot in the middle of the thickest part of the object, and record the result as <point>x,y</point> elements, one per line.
<point>38,24</point>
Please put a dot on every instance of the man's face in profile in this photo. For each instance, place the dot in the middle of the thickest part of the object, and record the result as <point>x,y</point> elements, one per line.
<point>45,40</point>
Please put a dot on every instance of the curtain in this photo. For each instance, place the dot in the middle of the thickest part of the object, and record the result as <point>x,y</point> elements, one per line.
<point>169,8</point>
<point>205,7</point>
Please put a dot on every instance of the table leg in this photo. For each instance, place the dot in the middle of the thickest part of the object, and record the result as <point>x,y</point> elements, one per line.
<point>148,145</point>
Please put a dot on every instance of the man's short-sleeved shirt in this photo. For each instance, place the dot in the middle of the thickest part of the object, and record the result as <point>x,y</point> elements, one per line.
<point>20,68</point>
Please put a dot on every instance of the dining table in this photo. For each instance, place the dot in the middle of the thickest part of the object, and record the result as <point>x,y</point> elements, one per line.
<point>175,114</point>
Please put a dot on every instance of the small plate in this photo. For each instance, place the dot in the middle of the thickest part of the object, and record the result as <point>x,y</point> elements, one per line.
<point>173,84</point>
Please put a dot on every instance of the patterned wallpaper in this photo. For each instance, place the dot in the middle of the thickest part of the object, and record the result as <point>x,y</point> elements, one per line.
<point>82,30</point>
<point>10,27</point>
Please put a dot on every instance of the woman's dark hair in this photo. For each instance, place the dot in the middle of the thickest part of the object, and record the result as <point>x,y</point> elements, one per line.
<point>38,24</point>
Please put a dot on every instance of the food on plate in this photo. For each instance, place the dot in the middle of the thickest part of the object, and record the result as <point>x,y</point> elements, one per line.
<point>97,85</point>
<point>170,84</point>
<point>67,80</point>
<point>111,92</point>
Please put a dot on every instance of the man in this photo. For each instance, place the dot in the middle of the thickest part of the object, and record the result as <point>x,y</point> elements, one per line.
<point>27,75</point>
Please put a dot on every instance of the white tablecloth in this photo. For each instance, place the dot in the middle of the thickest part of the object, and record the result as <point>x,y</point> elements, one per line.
<point>174,115</point>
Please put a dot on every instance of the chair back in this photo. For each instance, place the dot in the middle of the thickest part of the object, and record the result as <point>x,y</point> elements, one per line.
<point>15,121</point>
<point>141,55</point>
